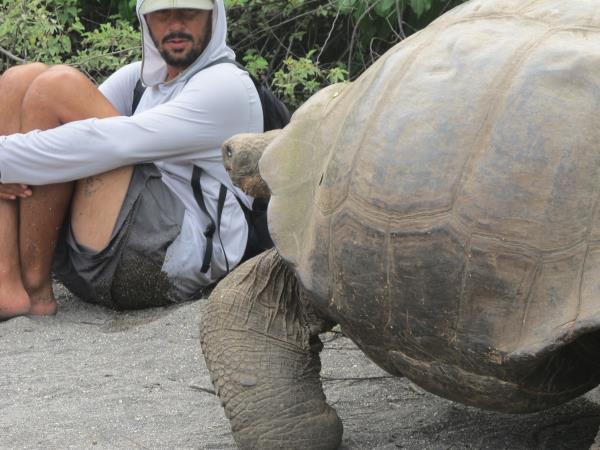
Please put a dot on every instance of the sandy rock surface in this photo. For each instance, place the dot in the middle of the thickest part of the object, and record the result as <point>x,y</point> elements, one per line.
<point>99,379</point>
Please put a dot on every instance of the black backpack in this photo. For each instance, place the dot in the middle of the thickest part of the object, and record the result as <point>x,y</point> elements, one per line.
<point>275,113</point>
<point>275,116</point>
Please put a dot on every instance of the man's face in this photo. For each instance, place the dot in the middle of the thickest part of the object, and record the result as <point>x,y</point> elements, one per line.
<point>180,35</point>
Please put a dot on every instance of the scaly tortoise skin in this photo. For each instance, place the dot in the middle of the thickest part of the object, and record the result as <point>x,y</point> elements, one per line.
<point>443,208</point>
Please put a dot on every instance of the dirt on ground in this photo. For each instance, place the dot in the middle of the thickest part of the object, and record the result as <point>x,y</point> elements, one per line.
<point>99,379</point>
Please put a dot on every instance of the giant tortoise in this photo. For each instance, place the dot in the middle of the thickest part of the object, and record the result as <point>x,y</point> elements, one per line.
<point>443,209</point>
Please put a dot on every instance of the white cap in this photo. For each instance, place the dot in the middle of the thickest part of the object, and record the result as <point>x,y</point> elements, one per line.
<point>149,6</point>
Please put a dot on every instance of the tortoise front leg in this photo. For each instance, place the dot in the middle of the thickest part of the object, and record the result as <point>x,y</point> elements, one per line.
<point>261,347</point>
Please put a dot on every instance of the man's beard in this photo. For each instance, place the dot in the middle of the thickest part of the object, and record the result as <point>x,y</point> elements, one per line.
<point>182,60</point>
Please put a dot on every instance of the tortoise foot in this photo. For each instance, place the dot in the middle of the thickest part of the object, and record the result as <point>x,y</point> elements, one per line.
<point>264,360</point>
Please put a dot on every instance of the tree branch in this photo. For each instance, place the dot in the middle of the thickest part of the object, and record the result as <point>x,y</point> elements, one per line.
<point>82,61</point>
<point>11,56</point>
<point>399,13</point>
<point>337,14</point>
<point>354,31</point>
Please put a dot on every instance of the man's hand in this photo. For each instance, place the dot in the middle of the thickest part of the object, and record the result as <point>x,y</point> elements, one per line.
<point>12,191</point>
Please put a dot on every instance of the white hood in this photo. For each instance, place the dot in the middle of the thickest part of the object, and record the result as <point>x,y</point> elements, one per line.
<point>154,68</point>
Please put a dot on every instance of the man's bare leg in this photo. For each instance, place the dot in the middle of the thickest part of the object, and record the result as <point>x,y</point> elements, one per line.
<point>14,299</point>
<point>97,200</point>
<point>57,96</point>
<point>41,218</point>
<point>92,226</point>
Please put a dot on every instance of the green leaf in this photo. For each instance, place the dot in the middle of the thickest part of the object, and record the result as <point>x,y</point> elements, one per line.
<point>385,7</point>
<point>65,43</point>
<point>420,6</point>
<point>255,64</point>
<point>337,75</point>
<point>346,6</point>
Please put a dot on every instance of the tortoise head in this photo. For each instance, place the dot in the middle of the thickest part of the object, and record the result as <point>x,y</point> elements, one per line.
<point>241,154</point>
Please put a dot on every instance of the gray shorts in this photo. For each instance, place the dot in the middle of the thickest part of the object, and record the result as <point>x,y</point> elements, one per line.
<point>127,273</point>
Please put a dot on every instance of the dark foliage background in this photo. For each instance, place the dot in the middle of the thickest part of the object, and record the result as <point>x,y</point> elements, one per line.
<point>297,46</point>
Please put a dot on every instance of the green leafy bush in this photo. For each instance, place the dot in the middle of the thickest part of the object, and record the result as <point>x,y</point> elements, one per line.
<point>299,78</point>
<point>298,46</point>
<point>303,45</point>
<point>107,48</point>
<point>52,32</point>
<point>37,30</point>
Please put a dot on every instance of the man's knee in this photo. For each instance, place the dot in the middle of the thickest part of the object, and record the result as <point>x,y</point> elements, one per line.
<point>52,92</point>
<point>21,75</point>
<point>66,94</point>
<point>55,82</point>
<point>62,74</point>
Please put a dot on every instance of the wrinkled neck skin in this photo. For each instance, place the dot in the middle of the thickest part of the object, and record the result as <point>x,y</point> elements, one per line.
<point>155,70</point>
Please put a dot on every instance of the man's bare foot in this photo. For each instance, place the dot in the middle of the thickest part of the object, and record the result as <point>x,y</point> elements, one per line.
<point>14,300</point>
<point>43,302</point>
<point>47,307</point>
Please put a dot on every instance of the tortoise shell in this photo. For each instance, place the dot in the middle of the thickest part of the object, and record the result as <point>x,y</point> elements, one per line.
<point>443,207</point>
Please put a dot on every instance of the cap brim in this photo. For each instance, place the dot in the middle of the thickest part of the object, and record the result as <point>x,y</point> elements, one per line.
<point>149,6</point>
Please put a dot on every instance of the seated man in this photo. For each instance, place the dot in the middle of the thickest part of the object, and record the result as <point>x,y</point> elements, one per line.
<point>143,190</point>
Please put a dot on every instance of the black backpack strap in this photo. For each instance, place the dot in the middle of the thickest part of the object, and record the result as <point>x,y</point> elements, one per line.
<point>259,238</point>
<point>220,205</point>
<point>210,229</point>
<point>209,232</point>
<point>224,59</point>
<point>138,91</point>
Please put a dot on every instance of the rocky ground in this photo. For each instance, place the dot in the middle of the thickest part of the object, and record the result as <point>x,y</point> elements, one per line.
<point>99,379</point>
